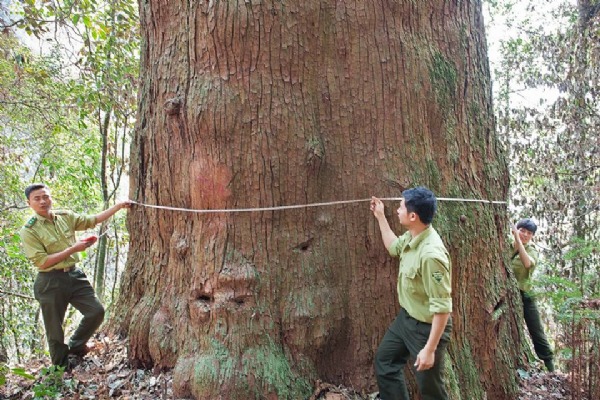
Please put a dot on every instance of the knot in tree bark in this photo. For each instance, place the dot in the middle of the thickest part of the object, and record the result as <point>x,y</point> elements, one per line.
<point>173,106</point>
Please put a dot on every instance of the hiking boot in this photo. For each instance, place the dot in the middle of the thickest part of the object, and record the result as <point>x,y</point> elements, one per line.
<point>80,351</point>
<point>73,361</point>
<point>549,365</point>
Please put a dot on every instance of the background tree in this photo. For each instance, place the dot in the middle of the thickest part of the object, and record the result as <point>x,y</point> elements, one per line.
<point>258,104</point>
<point>108,63</point>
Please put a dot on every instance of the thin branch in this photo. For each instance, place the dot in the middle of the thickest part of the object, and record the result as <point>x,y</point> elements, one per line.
<point>23,296</point>
<point>13,207</point>
<point>14,23</point>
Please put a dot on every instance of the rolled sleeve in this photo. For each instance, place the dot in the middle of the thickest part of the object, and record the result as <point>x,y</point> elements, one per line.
<point>83,222</point>
<point>437,281</point>
<point>397,245</point>
<point>533,256</point>
<point>394,248</point>
<point>440,306</point>
<point>33,248</point>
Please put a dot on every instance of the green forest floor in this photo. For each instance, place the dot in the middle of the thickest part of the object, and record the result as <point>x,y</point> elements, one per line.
<point>106,373</point>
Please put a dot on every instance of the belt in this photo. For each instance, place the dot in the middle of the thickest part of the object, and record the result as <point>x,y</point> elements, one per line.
<point>408,316</point>
<point>62,270</point>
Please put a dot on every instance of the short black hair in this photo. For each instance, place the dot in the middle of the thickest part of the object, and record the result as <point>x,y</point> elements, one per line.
<point>35,186</point>
<point>421,201</point>
<point>528,224</point>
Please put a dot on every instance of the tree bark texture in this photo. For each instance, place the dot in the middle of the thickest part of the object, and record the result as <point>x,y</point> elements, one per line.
<point>266,103</point>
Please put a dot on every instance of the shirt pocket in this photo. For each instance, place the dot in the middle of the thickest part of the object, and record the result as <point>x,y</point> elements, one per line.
<point>410,278</point>
<point>69,234</point>
<point>56,245</point>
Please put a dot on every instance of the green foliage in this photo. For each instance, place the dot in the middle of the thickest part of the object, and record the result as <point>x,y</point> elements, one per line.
<point>65,120</point>
<point>38,138</point>
<point>582,248</point>
<point>3,372</point>
<point>22,373</point>
<point>553,139</point>
<point>547,106</point>
<point>561,292</point>
<point>51,385</point>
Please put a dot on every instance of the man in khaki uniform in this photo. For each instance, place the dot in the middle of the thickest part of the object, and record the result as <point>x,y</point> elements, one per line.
<point>523,262</point>
<point>422,329</point>
<point>49,242</point>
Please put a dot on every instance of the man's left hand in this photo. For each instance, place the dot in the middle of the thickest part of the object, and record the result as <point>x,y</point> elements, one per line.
<point>425,359</point>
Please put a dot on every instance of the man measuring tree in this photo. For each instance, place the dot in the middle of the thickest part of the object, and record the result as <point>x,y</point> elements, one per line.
<point>50,243</point>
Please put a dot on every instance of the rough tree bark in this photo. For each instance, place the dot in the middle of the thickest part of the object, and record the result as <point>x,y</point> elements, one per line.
<point>265,103</point>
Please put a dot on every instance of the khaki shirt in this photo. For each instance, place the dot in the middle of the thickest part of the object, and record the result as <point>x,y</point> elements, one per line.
<point>41,237</point>
<point>425,275</point>
<point>523,274</point>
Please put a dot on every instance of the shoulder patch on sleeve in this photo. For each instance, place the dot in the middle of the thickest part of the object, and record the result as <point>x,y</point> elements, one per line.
<point>60,212</point>
<point>31,222</point>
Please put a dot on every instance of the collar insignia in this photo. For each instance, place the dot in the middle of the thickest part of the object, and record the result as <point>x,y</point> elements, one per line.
<point>31,222</point>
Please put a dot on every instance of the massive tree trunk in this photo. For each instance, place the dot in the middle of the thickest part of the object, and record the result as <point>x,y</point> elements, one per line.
<point>267,103</point>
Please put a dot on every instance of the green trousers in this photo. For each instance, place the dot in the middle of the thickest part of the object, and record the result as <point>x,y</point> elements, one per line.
<point>405,338</point>
<point>55,290</point>
<point>536,329</point>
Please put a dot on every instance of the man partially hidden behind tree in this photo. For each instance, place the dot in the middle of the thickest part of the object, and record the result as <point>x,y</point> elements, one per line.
<point>49,242</point>
<point>422,329</point>
<point>523,262</point>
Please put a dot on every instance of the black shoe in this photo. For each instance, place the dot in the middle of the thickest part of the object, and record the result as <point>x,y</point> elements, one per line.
<point>549,365</point>
<point>72,362</point>
<point>80,351</point>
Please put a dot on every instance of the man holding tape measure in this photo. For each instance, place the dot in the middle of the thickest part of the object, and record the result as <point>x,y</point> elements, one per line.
<point>49,242</point>
<point>422,328</point>
<point>523,262</point>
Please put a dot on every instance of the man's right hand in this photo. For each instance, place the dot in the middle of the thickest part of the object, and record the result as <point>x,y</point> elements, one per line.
<point>387,234</point>
<point>91,239</point>
<point>83,244</point>
<point>377,207</point>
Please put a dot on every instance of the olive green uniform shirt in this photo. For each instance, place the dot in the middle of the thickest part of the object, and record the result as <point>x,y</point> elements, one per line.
<point>523,274</point>
<point>425,275</point>
<point>42,237</point>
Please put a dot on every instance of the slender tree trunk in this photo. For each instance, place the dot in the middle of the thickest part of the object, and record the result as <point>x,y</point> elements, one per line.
<point>100,270</point>
<point>257,104</point>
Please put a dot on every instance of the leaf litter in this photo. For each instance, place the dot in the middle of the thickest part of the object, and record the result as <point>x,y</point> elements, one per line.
<point>107,373</point>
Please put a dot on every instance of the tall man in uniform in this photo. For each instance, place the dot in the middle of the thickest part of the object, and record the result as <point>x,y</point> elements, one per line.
<point>523,262</point>
<point>49,242</point>
<point>422,328</point>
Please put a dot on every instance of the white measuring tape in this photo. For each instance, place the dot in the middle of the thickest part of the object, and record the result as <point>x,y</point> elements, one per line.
<point>328,203</point>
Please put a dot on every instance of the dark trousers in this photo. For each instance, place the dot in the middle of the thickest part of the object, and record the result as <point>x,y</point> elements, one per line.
<point>535,328</point>
<point>405,338</point>
<point>55,290</point>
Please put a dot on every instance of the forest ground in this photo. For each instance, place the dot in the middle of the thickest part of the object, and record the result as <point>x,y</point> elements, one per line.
<point>106,373</point>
